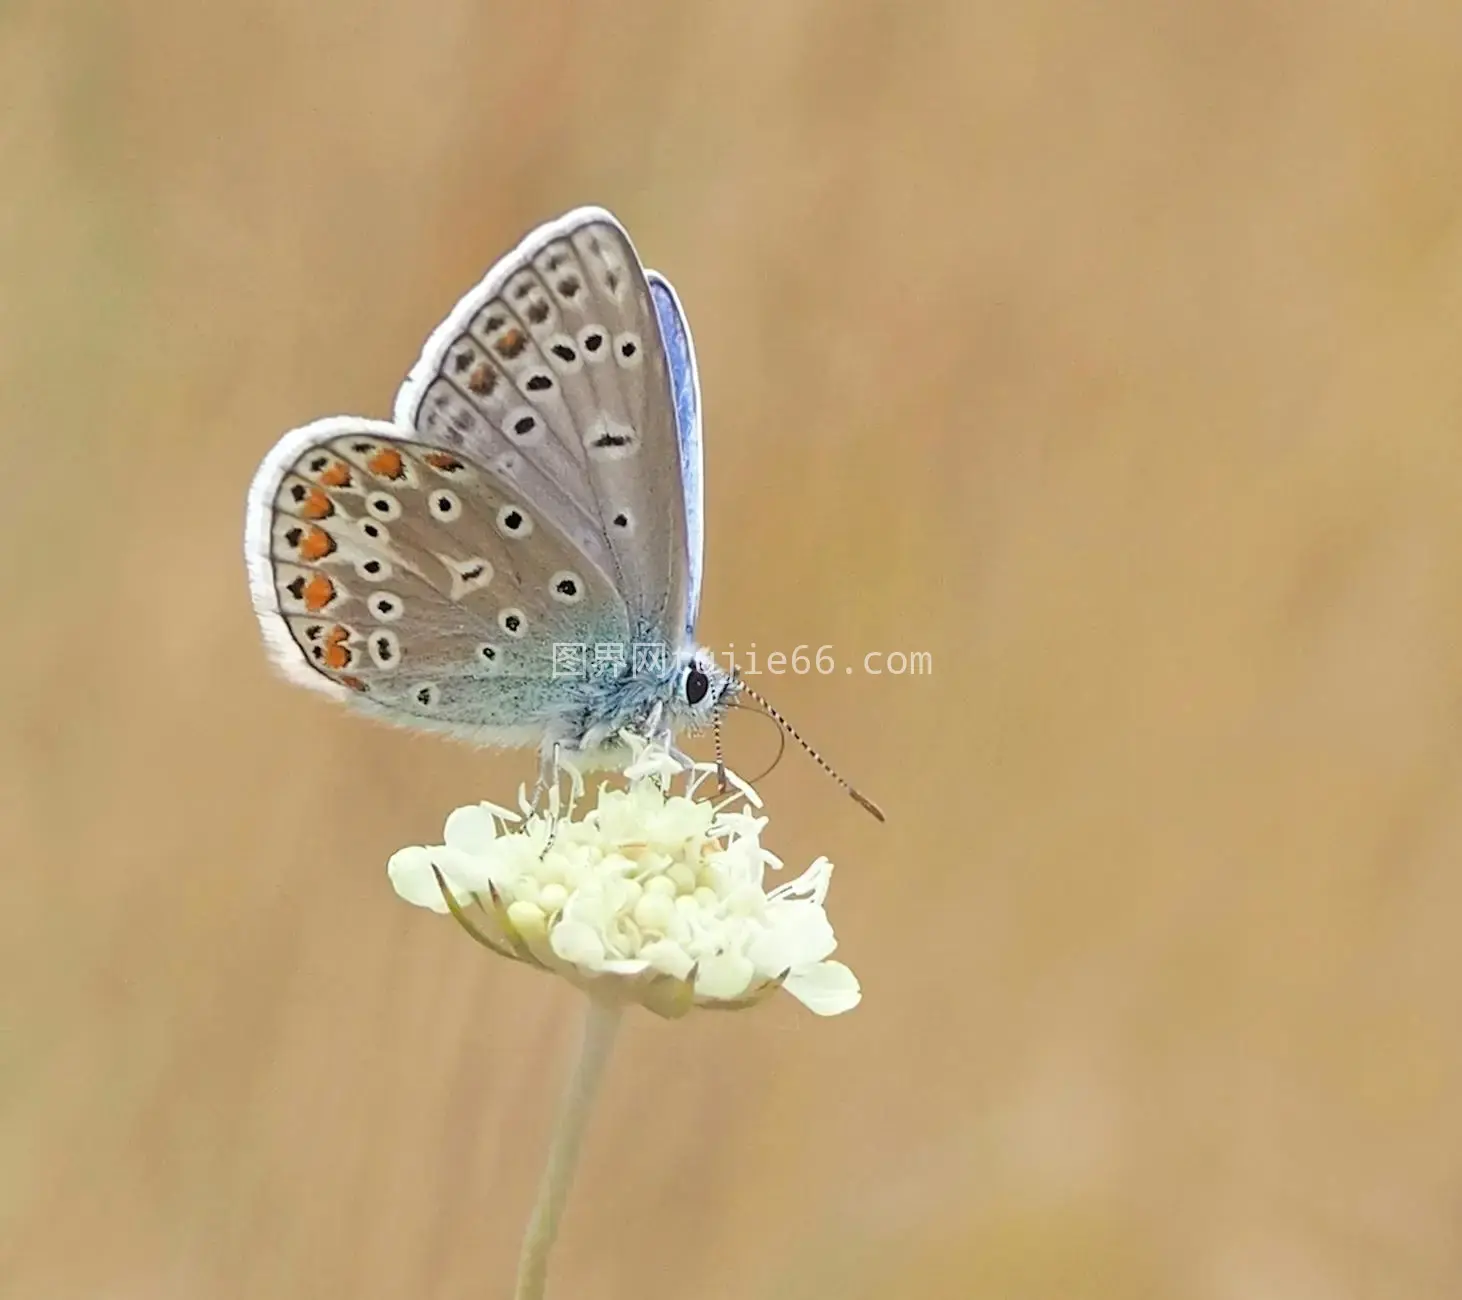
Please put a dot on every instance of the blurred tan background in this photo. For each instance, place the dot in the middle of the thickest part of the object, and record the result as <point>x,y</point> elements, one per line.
<point>1111,357</point>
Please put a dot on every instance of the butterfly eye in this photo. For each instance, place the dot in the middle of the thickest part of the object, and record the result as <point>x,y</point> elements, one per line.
<point>696,686</point>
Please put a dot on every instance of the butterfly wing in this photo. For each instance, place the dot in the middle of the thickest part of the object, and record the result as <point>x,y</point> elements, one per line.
<point>685,388</point>
<point>553,373</point>
<point>416,583</point>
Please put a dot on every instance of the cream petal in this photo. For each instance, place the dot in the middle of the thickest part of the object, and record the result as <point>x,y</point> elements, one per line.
<point>528,920</point>
<point>654,912</point>
<point>795,934</point>
<point>743,825</point>
<point>745,900</point>
<point>724,976</point>
<point>651,762</point>
<point>410,873</point>
<point>465,872</point>
<point>744,787</point>
<point>590,906</point>
<point>826,989</point>
<point>471,829</point>
<point>812,884</point>
<point>668,957</point>
<point>502,814</point>
<point>575,942</point>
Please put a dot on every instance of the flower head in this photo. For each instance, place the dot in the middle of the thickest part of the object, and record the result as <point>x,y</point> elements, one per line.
<point>650,896</point>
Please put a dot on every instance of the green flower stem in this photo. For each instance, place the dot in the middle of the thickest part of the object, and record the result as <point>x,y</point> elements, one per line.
<point>601,1020</point>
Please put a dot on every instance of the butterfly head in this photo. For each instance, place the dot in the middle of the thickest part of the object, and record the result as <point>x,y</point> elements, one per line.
<point>702,690</point>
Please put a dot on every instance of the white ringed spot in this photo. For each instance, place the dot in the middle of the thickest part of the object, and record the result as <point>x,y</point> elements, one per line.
<point>383,505</point>
<point>566,587</point>
<point>385,649</point>
<point>385,606</point>
<point>514,521</point>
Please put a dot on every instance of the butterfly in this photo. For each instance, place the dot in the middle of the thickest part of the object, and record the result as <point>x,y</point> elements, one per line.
<point>515,558</point>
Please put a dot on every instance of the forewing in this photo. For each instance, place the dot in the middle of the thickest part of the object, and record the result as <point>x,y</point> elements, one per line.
<point>412,581</point>
<point>553,374</point>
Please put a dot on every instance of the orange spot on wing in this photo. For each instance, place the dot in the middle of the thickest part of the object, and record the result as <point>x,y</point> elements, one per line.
<point>443,461</point>
<point>317,505</point>
<point>482,380</point>
<point>316,544</point>
<point>511,343</point>
<point>336,653</point>
<point>387,463</point>
<point>319,591</point>
<point>354,683</point>
<point>336,475</point>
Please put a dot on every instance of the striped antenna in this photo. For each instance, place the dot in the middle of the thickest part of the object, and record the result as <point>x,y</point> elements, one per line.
<point>720,751</point>
<point>811,753</point>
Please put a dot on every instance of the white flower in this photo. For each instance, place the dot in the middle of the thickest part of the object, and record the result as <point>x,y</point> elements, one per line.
<point>651,896</point>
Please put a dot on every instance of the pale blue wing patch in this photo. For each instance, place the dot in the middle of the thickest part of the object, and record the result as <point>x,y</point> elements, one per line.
<point>686,394</point>
<point>416,584</point>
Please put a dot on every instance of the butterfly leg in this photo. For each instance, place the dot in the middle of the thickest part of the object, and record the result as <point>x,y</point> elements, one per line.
<point>658,730</point>
<point>554,763</point>
<point>547,773</point>
<point>655,728</point>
